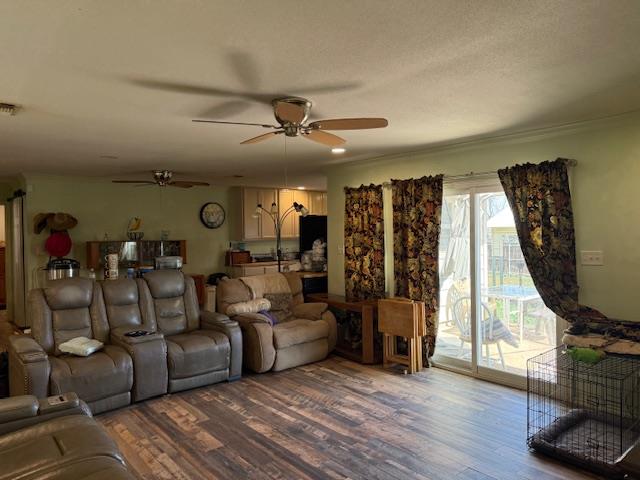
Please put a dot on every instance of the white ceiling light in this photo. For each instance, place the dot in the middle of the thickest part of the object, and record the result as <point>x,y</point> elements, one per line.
<point>301,188</point>
<point>338,150</point>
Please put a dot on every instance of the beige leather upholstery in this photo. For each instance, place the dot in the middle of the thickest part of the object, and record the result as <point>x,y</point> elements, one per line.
<point>26,410</point>
<point>202,347</point>
<point>307,334</point>
<point>67,309</point>
<point>129,307</point>
<point>101,375</point>
<point>61,442</point>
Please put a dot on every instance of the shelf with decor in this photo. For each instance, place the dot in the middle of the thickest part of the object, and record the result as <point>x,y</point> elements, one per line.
<point>134,253</point>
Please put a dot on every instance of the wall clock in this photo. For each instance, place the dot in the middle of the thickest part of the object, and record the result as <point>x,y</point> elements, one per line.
<point>212,215</point>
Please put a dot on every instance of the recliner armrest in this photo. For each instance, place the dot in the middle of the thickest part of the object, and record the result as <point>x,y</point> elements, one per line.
<point>222,323</point>
<point>27,349</point>
<point>18,408</point>
<point>25,410</point>
<point>310,311</point>
<point>118,335</point>
<point>29,367</point>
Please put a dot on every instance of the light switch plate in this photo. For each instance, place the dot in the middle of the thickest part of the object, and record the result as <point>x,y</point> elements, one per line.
<point>592,257</point>
<point>340,249</point>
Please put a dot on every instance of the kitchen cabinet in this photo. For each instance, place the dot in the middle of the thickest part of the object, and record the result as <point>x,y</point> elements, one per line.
<point>317,203</point>
<point>251,224</point>
<point>291,224</point>
<point>248,227</point>
<point>267,197</point>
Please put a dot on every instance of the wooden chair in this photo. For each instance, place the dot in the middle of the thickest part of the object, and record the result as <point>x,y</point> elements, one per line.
<point>400,317</point>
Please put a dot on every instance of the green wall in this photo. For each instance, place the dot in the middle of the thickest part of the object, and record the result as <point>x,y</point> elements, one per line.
<point>103,207</point>
<point>604,185</point>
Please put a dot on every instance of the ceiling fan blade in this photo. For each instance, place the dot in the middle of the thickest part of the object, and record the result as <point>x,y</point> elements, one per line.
<point>324,138</point>
<point>192,89</point>
<point>235,123</point>
<point>261,138</point>
<point>349,123</point>
<point>245,68</point>
<point>142,182</point>
<point>226,109</point>
<point>187,184</point>
<point>289,112</point>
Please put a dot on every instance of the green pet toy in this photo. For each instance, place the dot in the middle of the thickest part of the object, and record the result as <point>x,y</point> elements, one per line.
<point>586,355</point>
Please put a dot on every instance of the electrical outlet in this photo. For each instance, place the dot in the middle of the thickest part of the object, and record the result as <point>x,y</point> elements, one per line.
<point>340,249</point>
<point>592,257</point>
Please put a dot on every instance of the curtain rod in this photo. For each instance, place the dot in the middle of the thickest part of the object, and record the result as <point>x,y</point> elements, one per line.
<point>570,162</point>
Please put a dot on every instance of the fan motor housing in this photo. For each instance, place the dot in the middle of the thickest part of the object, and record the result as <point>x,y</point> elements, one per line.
<point>292,129</point>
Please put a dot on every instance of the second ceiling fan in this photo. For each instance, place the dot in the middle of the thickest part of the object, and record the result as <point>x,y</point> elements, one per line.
<point>292,113</point>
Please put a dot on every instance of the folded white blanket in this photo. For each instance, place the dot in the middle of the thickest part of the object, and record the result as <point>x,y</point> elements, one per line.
<point>81,346</point>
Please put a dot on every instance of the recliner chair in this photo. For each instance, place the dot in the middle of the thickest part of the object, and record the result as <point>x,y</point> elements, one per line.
<point>55,438</point>
<point>202,347</point>
<point>67,309</point>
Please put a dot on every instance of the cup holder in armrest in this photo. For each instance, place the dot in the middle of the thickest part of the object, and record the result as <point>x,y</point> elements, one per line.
<point>55,403</point>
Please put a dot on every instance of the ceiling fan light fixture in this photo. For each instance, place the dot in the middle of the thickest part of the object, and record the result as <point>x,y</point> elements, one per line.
<point>338,150</point>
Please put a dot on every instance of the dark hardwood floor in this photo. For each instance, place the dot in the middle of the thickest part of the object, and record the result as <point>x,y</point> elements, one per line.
<point>334,419</point>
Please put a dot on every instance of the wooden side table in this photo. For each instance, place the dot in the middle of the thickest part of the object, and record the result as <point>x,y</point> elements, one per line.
<point>367,310</point>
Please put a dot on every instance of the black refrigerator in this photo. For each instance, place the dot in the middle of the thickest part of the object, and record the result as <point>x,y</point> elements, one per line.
<point>313,227</point>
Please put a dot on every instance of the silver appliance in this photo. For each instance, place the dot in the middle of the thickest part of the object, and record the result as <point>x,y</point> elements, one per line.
<point>62,268</point>
<point>168,262</point>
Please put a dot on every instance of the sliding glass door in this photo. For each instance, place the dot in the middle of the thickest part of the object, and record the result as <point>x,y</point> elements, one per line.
<point>491,316</point>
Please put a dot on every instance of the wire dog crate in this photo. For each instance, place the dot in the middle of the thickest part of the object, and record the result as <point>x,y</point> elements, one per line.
<point>588,414</point>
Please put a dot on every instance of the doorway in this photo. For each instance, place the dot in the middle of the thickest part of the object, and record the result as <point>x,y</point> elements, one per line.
<point>3,267</point>
<point>492,318</point>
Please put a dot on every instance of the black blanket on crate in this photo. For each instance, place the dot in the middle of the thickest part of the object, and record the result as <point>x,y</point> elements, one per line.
<point>612,336</point>
<point>591,442</point>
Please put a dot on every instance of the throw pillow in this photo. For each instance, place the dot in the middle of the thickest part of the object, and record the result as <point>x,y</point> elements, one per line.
<point>251,306</point>
<point>280,305</point>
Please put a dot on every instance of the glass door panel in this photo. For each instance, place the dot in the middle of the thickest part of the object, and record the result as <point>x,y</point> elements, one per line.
<point>512,323</point>
<point>454,340</point>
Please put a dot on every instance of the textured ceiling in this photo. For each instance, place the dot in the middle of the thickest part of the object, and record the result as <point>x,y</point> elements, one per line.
<point>95,78</point>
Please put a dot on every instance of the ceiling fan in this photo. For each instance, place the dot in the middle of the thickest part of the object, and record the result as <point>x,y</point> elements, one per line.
<point>162,178</point>
<point>291,114</point>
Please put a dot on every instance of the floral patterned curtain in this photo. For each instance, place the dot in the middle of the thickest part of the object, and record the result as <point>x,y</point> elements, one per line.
<point>364,243</point>
<point>540,199</point>
<point>417,207</point>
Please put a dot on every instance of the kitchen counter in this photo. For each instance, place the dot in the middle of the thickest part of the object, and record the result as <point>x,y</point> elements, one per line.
<point>266,264</point>
<point>260,268</point>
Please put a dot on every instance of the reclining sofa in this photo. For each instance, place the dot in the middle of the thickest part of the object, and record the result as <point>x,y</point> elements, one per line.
<point>55,439</point>
<point>279,330</point>
<point>184,347</point>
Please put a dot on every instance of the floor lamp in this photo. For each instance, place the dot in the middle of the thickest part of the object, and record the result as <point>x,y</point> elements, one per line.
<point>279,220</point>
